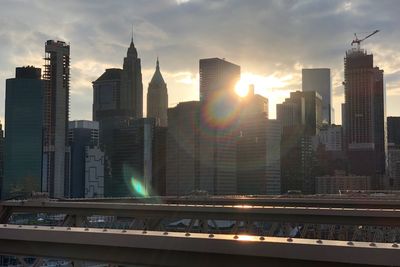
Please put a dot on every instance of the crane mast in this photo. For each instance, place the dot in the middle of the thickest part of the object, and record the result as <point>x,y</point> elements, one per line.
<point>358,41</point>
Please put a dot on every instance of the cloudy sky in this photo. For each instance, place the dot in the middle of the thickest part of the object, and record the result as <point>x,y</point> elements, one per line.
<point>271,41</point>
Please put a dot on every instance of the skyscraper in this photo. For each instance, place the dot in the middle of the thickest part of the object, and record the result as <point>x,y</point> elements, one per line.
<point>393,130</point>
<point>258,149</point>
<point>56,114</point>
<point>219,117</point>
<point>182,160</point>
<point>300,116</point>
<point>365,112</point>
<point>23,146</point>
<point>82,135</point>
<point>1,157</point>
<point>131,84</point>
<point>133,159</point>
<point>303,109</point>
<point>319,80</point>
<point>157,98</point>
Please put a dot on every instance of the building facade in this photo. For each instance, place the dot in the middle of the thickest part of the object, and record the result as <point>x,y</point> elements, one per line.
<point>258,149</point>
<point>133,160</point>
<point>56,114</point>
<point>1,157</point>
<point>131,84</point>
<point>340,182</point>
<point>23,145</point>
<point>82,135</point>
<point>331,137</point>
<point>301,120</point>
<point>364,125</point>
<point>319,80</point>
<point>182,159</point>
<point>393,130</point>
<point>157,98</point>
<point>94,172</point>
<point>219,118</point>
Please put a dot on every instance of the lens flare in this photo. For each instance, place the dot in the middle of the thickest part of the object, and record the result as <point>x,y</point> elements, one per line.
<point>138,187</point>
<point>220,112</point>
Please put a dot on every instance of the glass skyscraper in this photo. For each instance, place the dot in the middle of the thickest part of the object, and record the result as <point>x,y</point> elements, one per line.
<point>23,145</point>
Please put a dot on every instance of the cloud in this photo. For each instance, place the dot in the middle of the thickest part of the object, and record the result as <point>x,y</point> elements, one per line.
<point>273,38</point>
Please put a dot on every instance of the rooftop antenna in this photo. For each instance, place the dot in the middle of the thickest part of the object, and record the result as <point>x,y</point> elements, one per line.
<point>132,34</point>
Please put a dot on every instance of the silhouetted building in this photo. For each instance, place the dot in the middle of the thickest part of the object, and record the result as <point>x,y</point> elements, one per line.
<point>330,154</point>
<point>131,84</point>
<point>300,116</point>
<point>393,171</point>
<point>219,116</point>
<point>258,149</point>
<point>303,109</point>
<point>182,160</point>
<point>108,112</point>
<point>254,104</point>
<point>1,157</point>
<point>319,80</point>
<point>393,130</point>
<point>341,182</point>
<point>134,169</point>
<point>56,114</point>
<point>157,98</point>
<point>107,94</point>
<point>364,114</point>
<point>82,136</point>
<point>23,144</point>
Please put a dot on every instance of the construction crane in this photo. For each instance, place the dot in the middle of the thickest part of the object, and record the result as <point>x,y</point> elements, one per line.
<point>358,41</point>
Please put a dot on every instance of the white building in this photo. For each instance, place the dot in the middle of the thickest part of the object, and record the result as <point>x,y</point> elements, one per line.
<point>94,172</point>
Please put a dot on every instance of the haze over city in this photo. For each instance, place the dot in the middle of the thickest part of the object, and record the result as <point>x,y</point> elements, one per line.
<point>271,41</point>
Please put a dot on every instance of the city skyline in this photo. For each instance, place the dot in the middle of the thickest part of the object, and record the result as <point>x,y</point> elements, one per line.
<point>315,34</point>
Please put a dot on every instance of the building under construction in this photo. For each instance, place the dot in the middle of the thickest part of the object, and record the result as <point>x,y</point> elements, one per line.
<point>56,113</point>
<point>365,112</point>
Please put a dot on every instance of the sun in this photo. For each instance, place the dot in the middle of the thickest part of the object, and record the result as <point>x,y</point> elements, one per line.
<point>242,88</point>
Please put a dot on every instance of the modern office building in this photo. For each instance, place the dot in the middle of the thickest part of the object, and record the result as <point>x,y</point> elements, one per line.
<point>133,161</point>
<point>393,130</point>
<point>82,135</point>
<point>301,120</point>
<point>56,114</point>
<point>131,84</point>
<point>107,94</point>
<point>182,159</point>
<point>258,149</point>
<point>1,156</point>
<point>303,109</point>
<point>23,144</point>
<point>157,98</point>
<point>319,80</point>
<point>219,117</point>
<point>365,112</point>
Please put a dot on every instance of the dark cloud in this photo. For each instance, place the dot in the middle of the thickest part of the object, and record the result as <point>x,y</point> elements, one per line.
<point>275,37</point>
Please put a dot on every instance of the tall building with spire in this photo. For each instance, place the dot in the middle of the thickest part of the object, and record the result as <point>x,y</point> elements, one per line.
<point>131,84</point>
<point>56,114</point>
<point>157,98</point>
